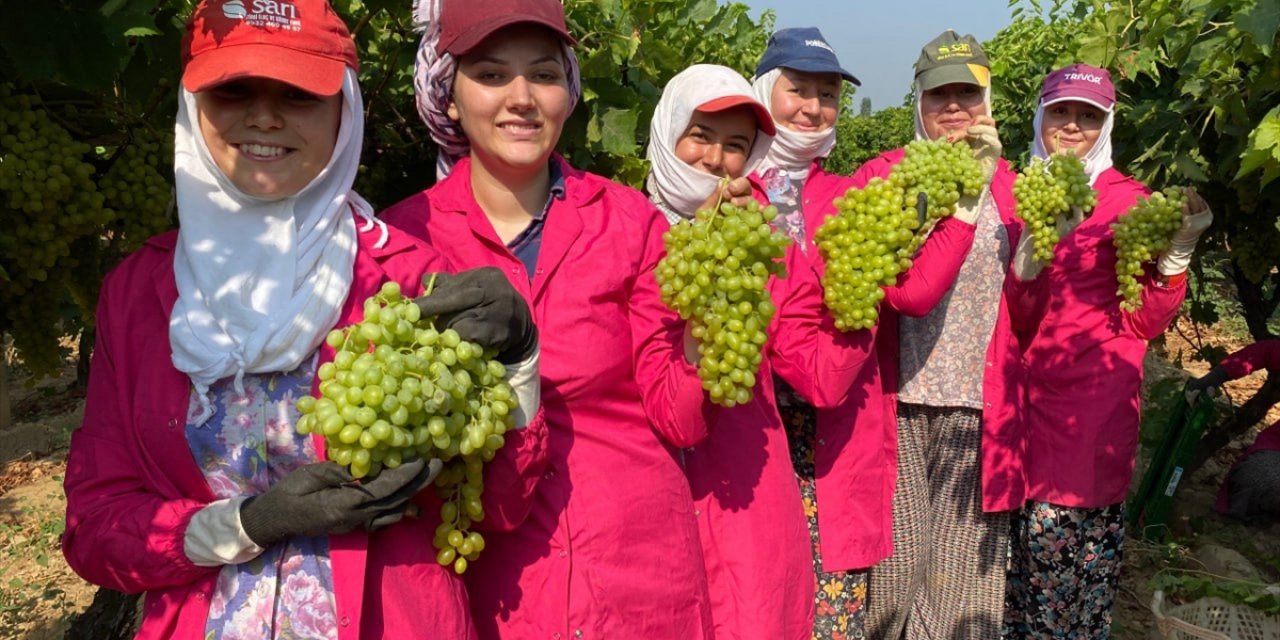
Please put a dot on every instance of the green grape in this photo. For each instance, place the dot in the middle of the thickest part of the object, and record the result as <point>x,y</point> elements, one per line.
<point>715,276</point>
<point>1256,251</point>
<point>865,246</point>
<point>942,170</point>
<point>389,396</point>
<point>48,201</point>
<point>135,186</point>
<point>1140,235</point>
<point>1046,192</point>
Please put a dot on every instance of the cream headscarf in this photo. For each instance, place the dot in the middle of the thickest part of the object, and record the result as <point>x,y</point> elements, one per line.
<point>260,282</point>
<point>792,151</point>
<point>1097,159</point>
<point>673,184</point>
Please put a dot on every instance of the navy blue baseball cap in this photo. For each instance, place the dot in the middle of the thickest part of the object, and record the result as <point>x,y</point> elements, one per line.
<point>801,49</point>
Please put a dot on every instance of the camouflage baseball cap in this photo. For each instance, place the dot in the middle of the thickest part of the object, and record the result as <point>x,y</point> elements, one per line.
<point>952,58</point>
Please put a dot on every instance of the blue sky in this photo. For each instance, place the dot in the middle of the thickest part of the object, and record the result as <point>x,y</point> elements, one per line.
<point>879,41</point>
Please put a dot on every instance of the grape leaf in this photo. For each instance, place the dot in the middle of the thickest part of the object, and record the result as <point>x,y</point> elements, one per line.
<point>1263,22</point>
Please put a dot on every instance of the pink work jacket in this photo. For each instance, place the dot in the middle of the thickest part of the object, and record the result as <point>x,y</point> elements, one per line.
<point>132,485</point>
<point>1259,355</point>
<point>856,456</point>
<point>1084,359</point>
<point>610,548</point>
<point>755,538</point>
<point>1003,435</point>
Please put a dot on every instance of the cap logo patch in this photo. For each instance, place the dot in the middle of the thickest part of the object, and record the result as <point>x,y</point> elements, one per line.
<point>956,50</point>
<point>819,44</point>
<point>277,14</point>
<point>1084,77</point>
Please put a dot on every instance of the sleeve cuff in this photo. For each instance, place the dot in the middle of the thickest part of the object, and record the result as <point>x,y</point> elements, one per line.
<point>526,382</point>
<point>215,536</point>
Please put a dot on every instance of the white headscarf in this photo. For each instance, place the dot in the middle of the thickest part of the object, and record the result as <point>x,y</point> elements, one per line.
<point>673,183</point>
<point>1097,159</point>
<point>260,282</point>
<point>792,151</point>
<point>920,134</point>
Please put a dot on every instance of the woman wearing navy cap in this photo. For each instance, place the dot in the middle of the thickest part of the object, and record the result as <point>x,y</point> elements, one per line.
<point>1083,375</point>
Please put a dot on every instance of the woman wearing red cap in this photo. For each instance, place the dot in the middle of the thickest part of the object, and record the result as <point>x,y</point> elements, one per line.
<point>610,546</point>
<point>949,367</point>
<point>1083,375</point>
<point>706,127</point>
<point>187,480</point>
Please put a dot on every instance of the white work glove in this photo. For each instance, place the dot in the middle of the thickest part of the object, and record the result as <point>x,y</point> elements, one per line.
<point>968,207</point>
<point>985,141</point>
<point>1196,218</point>
<point>1025,264</point>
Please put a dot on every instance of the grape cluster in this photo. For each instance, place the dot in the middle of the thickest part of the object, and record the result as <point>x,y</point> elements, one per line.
<point>137,186</point>
<point>398,389</point>
<point>714,275</point>
<point>942,170</point>
<point>1141,234</point>
<point>48,199</point>
<point>865,245</point>
<point>1046,192</point>
<point>1256,251</point>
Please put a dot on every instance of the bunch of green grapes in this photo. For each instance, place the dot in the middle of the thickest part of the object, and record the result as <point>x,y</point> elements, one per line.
<point>865,245</point>
<point>1047,191</point>
<point>1141,234</point>
<point>48,200</point>
<point>714,275</point>
<point>398,389</point>
<point>943,171</point>
<point>1256,251</point>
<point>138,186</point>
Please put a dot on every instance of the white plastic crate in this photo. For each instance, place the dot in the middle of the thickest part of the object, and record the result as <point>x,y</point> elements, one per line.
<point>1212,619</point>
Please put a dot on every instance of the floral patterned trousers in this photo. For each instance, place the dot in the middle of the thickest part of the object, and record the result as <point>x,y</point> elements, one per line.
<point>1064,572</point>
<point>839,610</point>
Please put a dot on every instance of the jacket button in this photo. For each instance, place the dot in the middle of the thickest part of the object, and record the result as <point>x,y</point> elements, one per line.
<point>991,364</point>
<point>345,621</point>
<point>697,512</point>
<point>577,633</point>
<point>173,423</point>
<point>564,554</point>
<point>555,636</point>
<point>821,441</point>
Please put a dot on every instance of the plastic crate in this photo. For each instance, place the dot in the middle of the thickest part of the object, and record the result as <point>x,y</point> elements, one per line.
<point>1212,619</point>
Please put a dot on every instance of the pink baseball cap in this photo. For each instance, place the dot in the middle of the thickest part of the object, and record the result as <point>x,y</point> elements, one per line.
<point>764,120</point>
<point>464,24</point>
<point>1082,83</point>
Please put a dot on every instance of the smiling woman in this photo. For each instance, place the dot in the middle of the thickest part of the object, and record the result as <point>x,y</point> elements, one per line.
<point>240,527</point>
<point>271,139</point>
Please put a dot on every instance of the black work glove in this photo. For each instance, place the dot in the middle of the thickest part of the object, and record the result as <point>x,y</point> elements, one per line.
<point>483,307</point>
<point>922,208</point>
<point>1216,377</point>
<point>323,498</point>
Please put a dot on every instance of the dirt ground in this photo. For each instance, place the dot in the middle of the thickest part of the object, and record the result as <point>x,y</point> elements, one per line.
<point>39,593</point>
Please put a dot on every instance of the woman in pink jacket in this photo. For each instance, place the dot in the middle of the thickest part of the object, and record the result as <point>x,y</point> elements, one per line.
<point>610,548</point>
<point>187,480</point>
<point>1251,490</point>
<point>707,126</point>
<point>1083,375</point>
<point>949,370</point>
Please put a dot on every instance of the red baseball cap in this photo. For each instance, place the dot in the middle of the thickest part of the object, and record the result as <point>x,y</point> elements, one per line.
<point>299,42</point>
<point>1082,83</point>
<point>466,23</point>
<point>764,119</point>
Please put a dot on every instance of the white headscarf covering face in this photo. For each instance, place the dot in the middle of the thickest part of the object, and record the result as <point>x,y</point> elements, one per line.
<point>920,133</point>
<point>792,151</point>
<point>674,183</point>
<point>260,282</point>
<point>1098,158</point>
<point>433,75</point>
